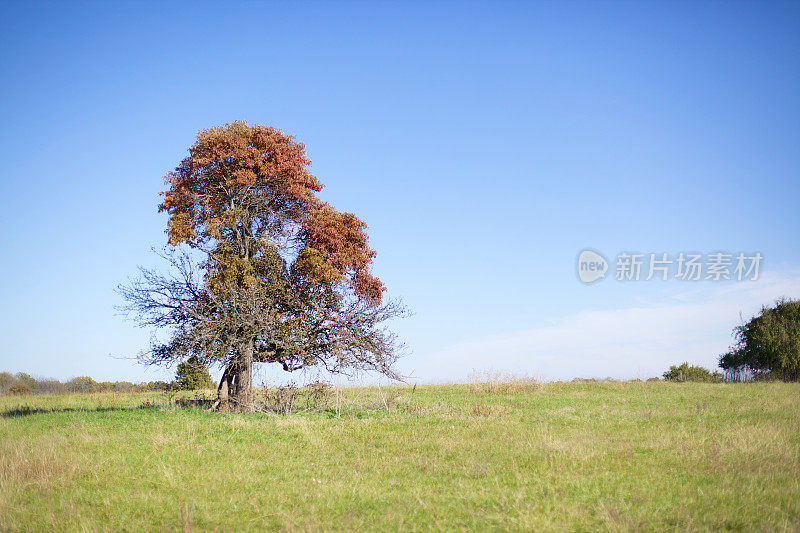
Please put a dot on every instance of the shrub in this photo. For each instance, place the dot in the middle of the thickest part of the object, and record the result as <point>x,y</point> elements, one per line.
<point>319,394</point>
<point>151,386</point>
<point>49,386</point>
<point>284,398</point>
<point>82,384</point>
<point>20,388</point>
<point>193,375</point>
<point>25,379</point>
<point>122,386</point>
<point>7,380</point>
<point>685,372</point>
<point>115,386</point>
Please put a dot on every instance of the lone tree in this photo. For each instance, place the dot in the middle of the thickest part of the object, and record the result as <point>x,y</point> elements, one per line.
<point>275,275</point>
<point>192,374</point>
<point>767,346</point>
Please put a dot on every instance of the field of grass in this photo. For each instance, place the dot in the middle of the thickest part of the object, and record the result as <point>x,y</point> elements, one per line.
<point>498,456</point>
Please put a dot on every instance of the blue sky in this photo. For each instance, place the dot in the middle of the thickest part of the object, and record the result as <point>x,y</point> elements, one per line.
<point>485,144</point>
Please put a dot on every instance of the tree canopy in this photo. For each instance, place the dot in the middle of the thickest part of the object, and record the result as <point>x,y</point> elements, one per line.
<point>244,189</point>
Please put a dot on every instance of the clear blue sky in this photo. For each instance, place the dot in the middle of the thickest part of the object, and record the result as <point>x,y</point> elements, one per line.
<point>485,144</point>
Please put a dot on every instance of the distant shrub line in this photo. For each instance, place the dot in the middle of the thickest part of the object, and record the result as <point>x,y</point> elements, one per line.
<point>191,375</point>
<point>22,383</point>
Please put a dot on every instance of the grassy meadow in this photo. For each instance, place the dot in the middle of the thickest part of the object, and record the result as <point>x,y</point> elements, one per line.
<point>485,456</point>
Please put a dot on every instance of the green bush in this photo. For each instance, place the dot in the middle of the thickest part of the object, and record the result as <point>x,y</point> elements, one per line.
<point>192,375</point>
<point>686,372</point>
<point>83,384</point>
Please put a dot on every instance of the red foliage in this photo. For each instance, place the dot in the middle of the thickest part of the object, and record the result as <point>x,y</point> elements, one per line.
<point>241,179</point>
<point>337,248</point>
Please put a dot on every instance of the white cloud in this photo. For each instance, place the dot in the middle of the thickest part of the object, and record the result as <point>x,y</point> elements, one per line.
<point>635,342</point>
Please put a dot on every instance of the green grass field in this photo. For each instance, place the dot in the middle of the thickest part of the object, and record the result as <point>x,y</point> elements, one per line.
<point>513,456</point>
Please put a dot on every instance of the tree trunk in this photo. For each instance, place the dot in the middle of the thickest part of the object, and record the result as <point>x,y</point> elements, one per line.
<point>242,396</point>
<point>223,390</point>
<point>235,390</point>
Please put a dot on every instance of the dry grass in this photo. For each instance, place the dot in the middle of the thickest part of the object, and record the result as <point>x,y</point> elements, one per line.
<point>501,382</point>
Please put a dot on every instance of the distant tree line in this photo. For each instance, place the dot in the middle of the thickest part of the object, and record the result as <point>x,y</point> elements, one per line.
<point>22,383</point>
<point>191,375</point>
